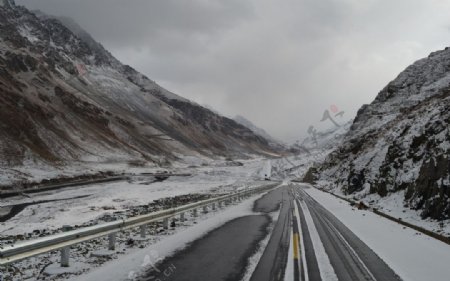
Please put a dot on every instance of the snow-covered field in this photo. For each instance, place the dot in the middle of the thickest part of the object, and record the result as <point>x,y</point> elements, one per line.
<point>101,200</point>
<point>91,260</point>
<point>109,198</point>
<point>412,255</point>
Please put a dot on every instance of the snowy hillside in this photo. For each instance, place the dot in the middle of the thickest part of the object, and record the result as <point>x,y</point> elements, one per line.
<point>65,99</point>
<point>399,145</point>
<point>257,130</point>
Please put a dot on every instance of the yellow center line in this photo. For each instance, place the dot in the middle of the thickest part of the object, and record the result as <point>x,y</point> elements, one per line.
<point>296,251</point>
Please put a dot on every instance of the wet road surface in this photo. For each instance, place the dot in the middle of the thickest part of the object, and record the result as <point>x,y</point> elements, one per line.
<point>272,264</point>
<point>351,259</point>
<point>223,253</point>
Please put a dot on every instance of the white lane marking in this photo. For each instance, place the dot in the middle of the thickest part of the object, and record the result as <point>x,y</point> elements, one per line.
<point>351,249</point>
<point>302,243</point>
<point>326,269</point>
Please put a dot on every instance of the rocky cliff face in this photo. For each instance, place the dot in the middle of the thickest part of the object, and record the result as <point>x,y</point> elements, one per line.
<point>64,98</point>
<point>400,142</point>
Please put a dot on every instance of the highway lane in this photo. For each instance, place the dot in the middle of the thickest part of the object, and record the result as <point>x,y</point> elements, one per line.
<point>223,254</point>
<point>310,256</point>
<point>350,258</point>
<point>272,264</point>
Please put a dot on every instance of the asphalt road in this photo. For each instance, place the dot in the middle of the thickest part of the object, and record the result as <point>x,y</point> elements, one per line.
<point>350,258</point>
<point>220,255</point>
<point>271,266</point>
<point>223,254</point>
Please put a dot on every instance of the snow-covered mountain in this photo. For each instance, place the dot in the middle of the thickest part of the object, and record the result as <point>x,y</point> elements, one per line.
<point>257,130</point>
<point>64,98</point>
<point>400,143</point>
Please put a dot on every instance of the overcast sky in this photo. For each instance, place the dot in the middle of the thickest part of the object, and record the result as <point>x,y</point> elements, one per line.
<point>279,63</point>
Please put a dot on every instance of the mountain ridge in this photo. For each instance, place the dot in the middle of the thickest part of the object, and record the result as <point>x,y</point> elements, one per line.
<point>257,130</point>
<point>65,100</point>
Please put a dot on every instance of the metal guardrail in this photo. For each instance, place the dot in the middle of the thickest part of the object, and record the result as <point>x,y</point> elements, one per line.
<point>62,241</point>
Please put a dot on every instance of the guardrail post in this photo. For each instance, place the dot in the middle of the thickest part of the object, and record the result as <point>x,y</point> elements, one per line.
<point>112,241</point>
<point>166,223</point>
<point>65,252</point>
<point>143,229</point>
<point>182,218</point>
<point>213,206</point>
<point>65,255</point>
<point>195,213</point>
<point>205,209</point>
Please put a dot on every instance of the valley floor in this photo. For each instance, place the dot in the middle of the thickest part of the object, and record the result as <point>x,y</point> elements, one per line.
<point>411,255</point>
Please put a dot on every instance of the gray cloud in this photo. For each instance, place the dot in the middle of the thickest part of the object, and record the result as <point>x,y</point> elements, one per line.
<point>279,63</point>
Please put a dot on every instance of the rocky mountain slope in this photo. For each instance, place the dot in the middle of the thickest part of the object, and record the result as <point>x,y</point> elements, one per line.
<point>400,143</point>
<point>64,98</point>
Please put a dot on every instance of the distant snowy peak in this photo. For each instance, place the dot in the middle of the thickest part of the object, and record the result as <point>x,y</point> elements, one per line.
<point>257,130</point>
<point>401,141</point>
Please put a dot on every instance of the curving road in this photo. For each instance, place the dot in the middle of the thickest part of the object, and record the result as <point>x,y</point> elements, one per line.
<point>224,253</point>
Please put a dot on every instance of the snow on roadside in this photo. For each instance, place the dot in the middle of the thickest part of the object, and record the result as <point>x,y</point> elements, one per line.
<point>393,205</point>
<point>326,269</point>
<point>412,255</point>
